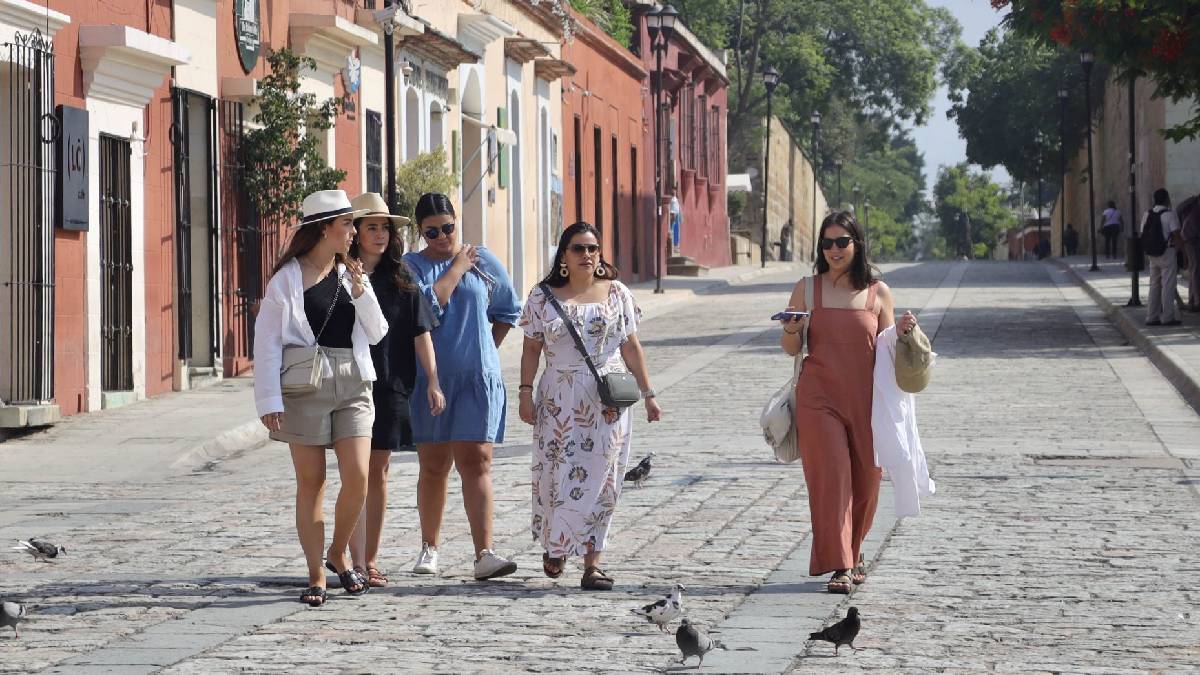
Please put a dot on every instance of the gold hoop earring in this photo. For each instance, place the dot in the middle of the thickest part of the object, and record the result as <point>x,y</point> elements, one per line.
<point>562,270</point>
<point>600,270</point>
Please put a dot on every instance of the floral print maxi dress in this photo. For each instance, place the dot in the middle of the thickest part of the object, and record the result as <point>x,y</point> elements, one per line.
<point>580,446</point>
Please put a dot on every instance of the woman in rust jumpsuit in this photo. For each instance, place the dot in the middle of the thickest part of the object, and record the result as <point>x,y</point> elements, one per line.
<point>833,397</point>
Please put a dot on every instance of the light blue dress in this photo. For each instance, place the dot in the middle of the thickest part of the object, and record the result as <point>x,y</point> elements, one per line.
<point>467,361</point>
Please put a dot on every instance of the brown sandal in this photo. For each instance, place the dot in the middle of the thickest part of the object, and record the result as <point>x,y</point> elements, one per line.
<point>375,578</point>
<point>594,579</point>
<point>839,583</point>
<point>553,567</point>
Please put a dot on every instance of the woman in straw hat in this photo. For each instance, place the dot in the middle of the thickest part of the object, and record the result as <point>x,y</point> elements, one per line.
<point>318,297</point>
<point>406,344</point>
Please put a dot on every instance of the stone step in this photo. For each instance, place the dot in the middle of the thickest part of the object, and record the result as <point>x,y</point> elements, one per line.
<point>684,266</point>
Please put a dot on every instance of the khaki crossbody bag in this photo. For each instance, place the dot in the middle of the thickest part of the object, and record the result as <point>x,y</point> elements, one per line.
<point>304,366</point>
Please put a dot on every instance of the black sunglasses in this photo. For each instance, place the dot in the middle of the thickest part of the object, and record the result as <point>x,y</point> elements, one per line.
<point>590,249</point>
<point>433,232</point>
<point>842,242</point>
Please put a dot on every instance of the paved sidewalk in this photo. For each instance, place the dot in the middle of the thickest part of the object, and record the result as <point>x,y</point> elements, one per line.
<point>1174,349</point>
<point>183,431</point>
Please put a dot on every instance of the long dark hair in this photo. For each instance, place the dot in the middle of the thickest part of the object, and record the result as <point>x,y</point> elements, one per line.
<point>304,240</point>
<point>432,204</point>
<point>862,272</point>
<point>390,265</point>
<point>556,280</point>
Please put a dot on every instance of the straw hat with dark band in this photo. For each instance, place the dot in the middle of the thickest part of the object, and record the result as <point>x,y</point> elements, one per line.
<point>324,205</point>
<point>371,205</point>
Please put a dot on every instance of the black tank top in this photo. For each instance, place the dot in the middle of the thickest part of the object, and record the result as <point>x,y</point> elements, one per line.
<point>341,322</point>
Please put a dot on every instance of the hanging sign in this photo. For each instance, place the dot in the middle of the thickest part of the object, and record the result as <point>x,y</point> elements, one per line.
<point>247,30</point>
<point>72,164</point>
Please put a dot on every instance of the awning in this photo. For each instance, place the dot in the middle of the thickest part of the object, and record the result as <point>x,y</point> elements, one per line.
<point>738,182</point>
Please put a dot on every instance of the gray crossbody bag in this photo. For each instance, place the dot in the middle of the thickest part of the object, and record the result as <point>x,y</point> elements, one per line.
<point>618,389</point>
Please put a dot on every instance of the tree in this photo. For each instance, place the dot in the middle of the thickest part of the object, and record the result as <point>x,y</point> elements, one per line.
<point>967,202</point>
<point>426,172</point>
<point>612,16</point>
<point>281,154</point>
<point>1004,97</point>
<point>1138,37</point>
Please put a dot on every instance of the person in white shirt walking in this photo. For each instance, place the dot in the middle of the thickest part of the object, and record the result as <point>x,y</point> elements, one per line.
<point>1111,230</point>
<point>1164,266</point>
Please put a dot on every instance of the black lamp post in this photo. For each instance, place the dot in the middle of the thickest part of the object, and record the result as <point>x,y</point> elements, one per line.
<point>815,119</point>
<point>1087,59</point>
<point>1062,168</point>
<point>770,78</point>
<point>389,106</point>
<point>856,191</point>
<point>838,163</point>
<point>1133,245</point>
<point>866,218</point>
<point>1040,144</point>
<point>660,25</point>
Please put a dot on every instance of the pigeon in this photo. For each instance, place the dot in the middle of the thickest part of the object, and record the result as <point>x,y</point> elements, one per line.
<point>11,614</point>
<point>638,474</point>
<point>842,632</point>
<point>664,611</point>
<point>40,550</point>
<point>692,642</point>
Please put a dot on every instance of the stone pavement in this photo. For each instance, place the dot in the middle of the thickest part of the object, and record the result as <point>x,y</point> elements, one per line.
<point>1061,538</point>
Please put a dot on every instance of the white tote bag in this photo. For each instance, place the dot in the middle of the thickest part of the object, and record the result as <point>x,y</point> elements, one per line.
<point>778,418</point>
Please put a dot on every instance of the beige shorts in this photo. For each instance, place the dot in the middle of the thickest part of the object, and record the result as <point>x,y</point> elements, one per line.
<point>341,408</point>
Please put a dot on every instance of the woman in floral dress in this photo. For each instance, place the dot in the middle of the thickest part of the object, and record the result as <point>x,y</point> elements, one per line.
<point>580,445</point>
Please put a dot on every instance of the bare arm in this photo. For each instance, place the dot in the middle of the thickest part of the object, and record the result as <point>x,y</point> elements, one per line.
<point>499,331</point>
<point>425,356</point>
<point>887,307</point>
<point>531,352</point>
<point>444,287</point>
<point>635,360</point>
<point>792,339</point>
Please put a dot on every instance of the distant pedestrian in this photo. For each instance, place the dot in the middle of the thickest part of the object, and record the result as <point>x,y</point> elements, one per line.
<point>834,393</point>
<point>580,445</point>
<point>1071,239</point>
<point>473,299</point>
<point>320,314</point>
<point>1160,248</point>
<point>378,245</point>
<point>1111,230</point>
<point>676,221</point>
<point>1189,217</point>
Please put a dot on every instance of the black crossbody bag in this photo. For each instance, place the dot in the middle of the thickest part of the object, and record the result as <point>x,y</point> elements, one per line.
<point>617,390</point>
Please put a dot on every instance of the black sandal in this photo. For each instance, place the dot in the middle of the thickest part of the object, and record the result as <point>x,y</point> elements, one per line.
<point>594,579</point>
<point>351,579</point>
<point>313,596</point>
<point>553,567</point>
<point>839,583</point>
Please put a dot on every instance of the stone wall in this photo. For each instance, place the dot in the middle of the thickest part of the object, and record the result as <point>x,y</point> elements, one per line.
<point>790,197</point>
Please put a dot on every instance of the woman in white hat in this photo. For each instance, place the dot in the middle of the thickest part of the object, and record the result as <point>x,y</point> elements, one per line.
<point>319,315</point>
<point>407,343</point>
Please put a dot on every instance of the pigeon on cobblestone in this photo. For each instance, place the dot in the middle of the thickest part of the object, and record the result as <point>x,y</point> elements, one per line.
<point>693,643</point>
<point>11,614</point>
<point>842,632</point>
<point>40,550</point>
<point>638,474</point>
<point>664,611</point>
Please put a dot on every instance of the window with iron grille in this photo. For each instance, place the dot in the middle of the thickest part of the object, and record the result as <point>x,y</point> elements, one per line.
<point>116,266</point>
<point>29,131</point>
<point>374,152</point>
<point>714,145</point>
<point>704,139</point>
<point>689,127</point>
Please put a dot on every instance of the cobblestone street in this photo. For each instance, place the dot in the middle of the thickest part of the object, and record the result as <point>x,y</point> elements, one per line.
<point>1062,537</point>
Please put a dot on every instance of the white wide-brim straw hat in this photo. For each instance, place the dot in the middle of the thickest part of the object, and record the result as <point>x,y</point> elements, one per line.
<point>371,205</point>
<point>324,205</point>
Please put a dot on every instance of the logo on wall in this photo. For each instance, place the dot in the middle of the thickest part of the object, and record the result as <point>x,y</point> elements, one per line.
<point>72,163</point>
<point>248,32</point>
<point>351,79</point>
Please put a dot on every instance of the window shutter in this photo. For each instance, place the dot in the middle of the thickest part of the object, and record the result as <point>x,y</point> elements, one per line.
<point>502,169</point>
<point>455,153</point>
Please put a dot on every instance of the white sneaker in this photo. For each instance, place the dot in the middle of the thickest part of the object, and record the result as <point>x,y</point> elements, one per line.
<point>426,561</point>
<point>489,566</point>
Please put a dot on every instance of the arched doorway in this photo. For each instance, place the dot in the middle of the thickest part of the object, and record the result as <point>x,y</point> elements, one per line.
<point>412,118</point>
<point>548,237</point>
<point>473,157</point>
<point>516,204</point>
<point>436,138</point>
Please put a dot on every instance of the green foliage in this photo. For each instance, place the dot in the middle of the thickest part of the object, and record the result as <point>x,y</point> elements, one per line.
<point>427,172</point>
<point>281,154</point>
<point>1005,97</point>
<point>612,16</point>
<point>1138,37</point>
<point>966,197</point>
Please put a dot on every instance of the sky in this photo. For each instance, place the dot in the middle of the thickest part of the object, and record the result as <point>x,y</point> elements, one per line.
<point>938,139</point>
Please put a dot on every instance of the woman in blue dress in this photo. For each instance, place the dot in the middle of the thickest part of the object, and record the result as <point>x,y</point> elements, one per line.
<point>473,299</point>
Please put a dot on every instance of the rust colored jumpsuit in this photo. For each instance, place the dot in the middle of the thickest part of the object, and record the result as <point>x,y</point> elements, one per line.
<point>833,425</point>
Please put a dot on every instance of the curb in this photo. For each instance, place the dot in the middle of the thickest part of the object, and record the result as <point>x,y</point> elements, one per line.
<point>1185,380</point>
<point>245,436</point>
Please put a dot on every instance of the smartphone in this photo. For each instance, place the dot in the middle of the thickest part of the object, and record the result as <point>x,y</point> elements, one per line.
<point>780,316</point>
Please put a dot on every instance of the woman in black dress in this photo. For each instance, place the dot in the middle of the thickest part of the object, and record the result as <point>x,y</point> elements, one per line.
<point>396,356</point>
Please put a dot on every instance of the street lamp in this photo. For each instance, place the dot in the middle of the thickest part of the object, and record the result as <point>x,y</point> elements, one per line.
<point>389,105</point>
<point>856,190</point>
<point>866,218</point>
<point>770,78</point>
<point>838,163</point>
<point>1040,142</point>
<point>1063,94</point>
<point>661,26</point>
<point>1087,59</point>
<point>815,119</point>
<point>1133,246</point>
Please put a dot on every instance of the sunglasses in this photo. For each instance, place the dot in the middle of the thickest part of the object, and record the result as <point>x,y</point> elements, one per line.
<point>841,242</point>
<point>433,232</point>
<point>590,249</point>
